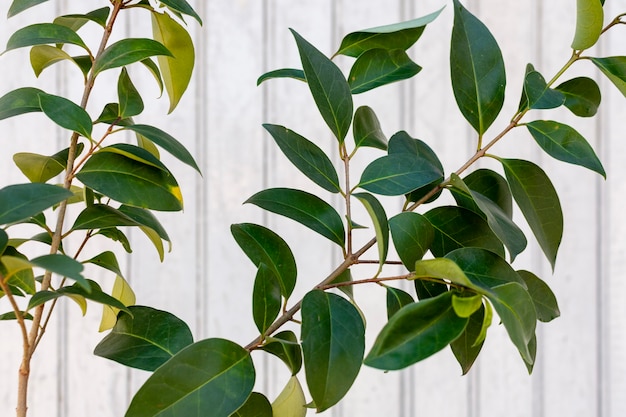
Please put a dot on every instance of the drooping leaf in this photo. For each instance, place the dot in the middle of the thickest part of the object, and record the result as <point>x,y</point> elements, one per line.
<point>466,305</point>
<point>64,266</point>
<point>306,156</point>
<point>307,209</point>
<point>395,36</point>
<point>145,340</point>
<point>145,218</point>
<point>20,101</point>
<point>366,129</point>
<point>106,260</point>
<point>377,67</point>
<point>116,235</point>
<point>66,114</point>
<point>614,68</point>
<point>296,74</point>
<point>464,347</point>
<point>43,56</point>
<point>42,34</point>
<point>291,401</point>
<point>210,378</point>
<point>18,6</point>
<point>257,405</point>
<point>412,236</point>
<point>21,201</point>
<point>477,70</point>
<point>565,144</point>
<point>76,21</point>
<point>545,302</point>
<point>266,300</point>
<point>328,86</point>
<point>284,345</point>
<point>155,71</point>
<point>128,51</point>
<point>38,168</point>
<point>101,216</point>
<point>333,343</point>
<point>17,271</point>
<point>589,21</point>
<point>536,197</point>
<point>416,332</point>
<point>262,245</point>
<point>380,222</point>
<point>537,94</point>
<point>183,7</point>
<point>396,299</point>
<point>491,185</point>
<point>123,292</point>
<point>94,294</point>
<point>582,96</point>
<point>398,174</point>
<point>177,68</point>
<point>130,102</point>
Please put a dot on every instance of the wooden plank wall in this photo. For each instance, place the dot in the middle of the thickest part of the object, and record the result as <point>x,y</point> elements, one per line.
<point>206,280</point>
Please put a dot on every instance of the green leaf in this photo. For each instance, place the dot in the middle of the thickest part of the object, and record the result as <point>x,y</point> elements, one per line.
<point>177,68</point>
<point>328,86</point>
<point>395,36</point>
<point>296,74</point>
<point>42,34</point>
<point>483,268</point>
<point>266,300</point>
<point>130,100</point>
<point>76,21</point>
<point>21,201</point>
<point>396,299</point>
<point>64,266</point>
<point>381,224</point>
<point>464,347</point>
<point>345,277</point>
<point>167,142</point>
<point>183,7</point>
<point>106,260</point>
<point>145,218</point>
<point>416,332</point>
<point>128,51</point>
<point>38,168</point>
<point>110,114</point>
<point>210,378</point>
<point>536,197</point>
<point>116,235</point>
<point>20,101</point>
<point>284,345</point>
<point>565,144</point>
<point>257,405</point>
<point>589,21</point>
<point>291,401</point>
<point>466,305</point>
<point>94,294</point>
<point>582,96</point>
<point>66,114</point>
<point>366,129</point>
<point>4,241</point>
<point>412,236</point>
<point>155,71</point>
<point>491,185</point>
<point>477,70</point>
<point>545,302</point>
<point>101,216</point>
<point>537,94</point>
<point>456,227</point>
<point>123,292</point>
<point>398,174</point>
<point>146,339</point>
<point>19,6</point>
<point>262,245</point>
<point>11,315</point>
<point>306,156</point>
<point>131,182</point>
<point>42,56</point>
<point>377,67</point>
<point>614,68</point>
<point>17,271</point>
<point>333,343</point>
<point>307,209</point>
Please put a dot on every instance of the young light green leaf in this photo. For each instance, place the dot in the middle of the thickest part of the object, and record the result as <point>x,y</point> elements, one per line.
<point>106,260</point>
<point>333,343</point>
<point>266,299</point>
<point>484,269</point>
<point>123,292</point>
<point>465,348</point>
<point>19,6</point>
<point>284,345</point>
<point>42,34</point>
<point>183,7</point>
<point>257,405</point>
<point>396,299</point>
<point>398,174</point>
<point>66,114</point>
<point>130,102</point>
<point>43,56</point>
<point>545,302</point>
<point>101,216</point>
<point>177,68</point>
<point>128,51</point>
<point>395,36</point>
<point>536,197</point>
<point>291,401</point>
<point>589,21</point>
<point>20,101</point>
<point>416,332</point>
<point>94,294</point>
<point>366,129</point>
<point>614,68</point>
<point>565,144</point>
<point>377,67</point>
<point>38,168</point>
<point>477,70</point>
<point>466,306</point>
<point>306,156</point>
<point>328,86</point>
<point>17,271</point>
<point>381,224</point>
<point>212,377</point>
<point>146,339</point>
<point>412,236</point>
<point>262,245</point>
<point>537,94</point>
<point>582,96</point>
<point>63,266</point>
<point>296,74</point>
<point>21,201</point>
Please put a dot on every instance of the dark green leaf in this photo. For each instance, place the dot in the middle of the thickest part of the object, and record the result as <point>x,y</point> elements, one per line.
<point>76,21</point>
<point>491,185</point>
<point>381,224</point>
<point>21,201</point>
<point>210,378</point>
<point>42,34</point>
<point>4,241</point>
<point>106,260</point>
<point>183,7</point>
<point>101,216</point>
<point>398,174</point>
<point>416,332</point>
<point>262,245</point>
<point>146,339</point>
<point>265,298</point>
<point>20,101</point>
<point>11,314</point>
<point>545,302</point>
<point>412,236</point>
<point>589,22</point>
<point>257,405</point>
<point>333,343</point>
<point>64,266</point>
<point>66,114</point>
<point>532,350</point>
<point>116,235</point>
<point>329,87</point>
<point>536,197</point>
<point>614,68</point>
<point>537,94</point>
<point>130,102</point>
<point>483,268</point>
<point>305,208</point>
<point>477,70</point>
<point>378,67</point>
<point>345,277</point>
<point>19,6</point>
<point>366,129</point>
<point>428,289</point>
<point>95,294</point>
<point>128,51</point>
<point>582,96</point>
<point>110,114</point>
<point>464,347</point>
<point>155,71</point>
<point>306,156</point>
<point>396,299</point>
<point>284,345</point>
<point>296,74</point>
<point>145,218</point>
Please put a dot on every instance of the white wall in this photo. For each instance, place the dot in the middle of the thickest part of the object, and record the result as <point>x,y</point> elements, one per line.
<point>206,280</point>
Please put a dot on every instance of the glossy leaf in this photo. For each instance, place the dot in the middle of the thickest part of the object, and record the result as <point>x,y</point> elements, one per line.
<point>416,332</point>
<point>395,36</point>
<point>266,299</point>
<point>131,182</point>
<point>21,201</point>
<point>101,216</point>
<point>491,185</point>
<point>483,268</point>
<point>38,168</point>
<point>565,144</point>
<point>145,218</point>
<point>263,246</point>
<point>464,347</point>
<point>11,315</point>
<point>398,174</point>
<point>43,56</point>
<point>396,299</point>
<point>122,292</point>
<point>177,68</point>
<point>155,71</point>
<point>537,94</point>
<point>589,21</point>
<point>106,260</point>
<point>42,34</point>
<point>128,51</point>
<point>210,378</point>
<point>381,224</point>
<point>66,114</point>
<point>333,342</point>
<point>366,129</point>
<point>116,235</point>
<point>183,7</point>
<point>284,345</point>
<point>17,271</point>
<point>76,21</point>
<point>130,102</point>
<point>296,74</point>
<point>145,340</point>
<point>377,67</point>
<point>18,6</point>
<point>64,266</point>
<point>345,277</point>
<point>94,294</point>
<point>477,70</point>
<point>582,96</point>
<point>306,156</point>
<point>257,405</point>
<point>412,236</point>
<point>328,86</point>
<point>536,197</point>
<point>545,302</point>
<point>307,209</point>
<point>4,241</point>
<point>614,68</point>
<point>290,402</point>
<point>20,101</point>
<point>465,306</point>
